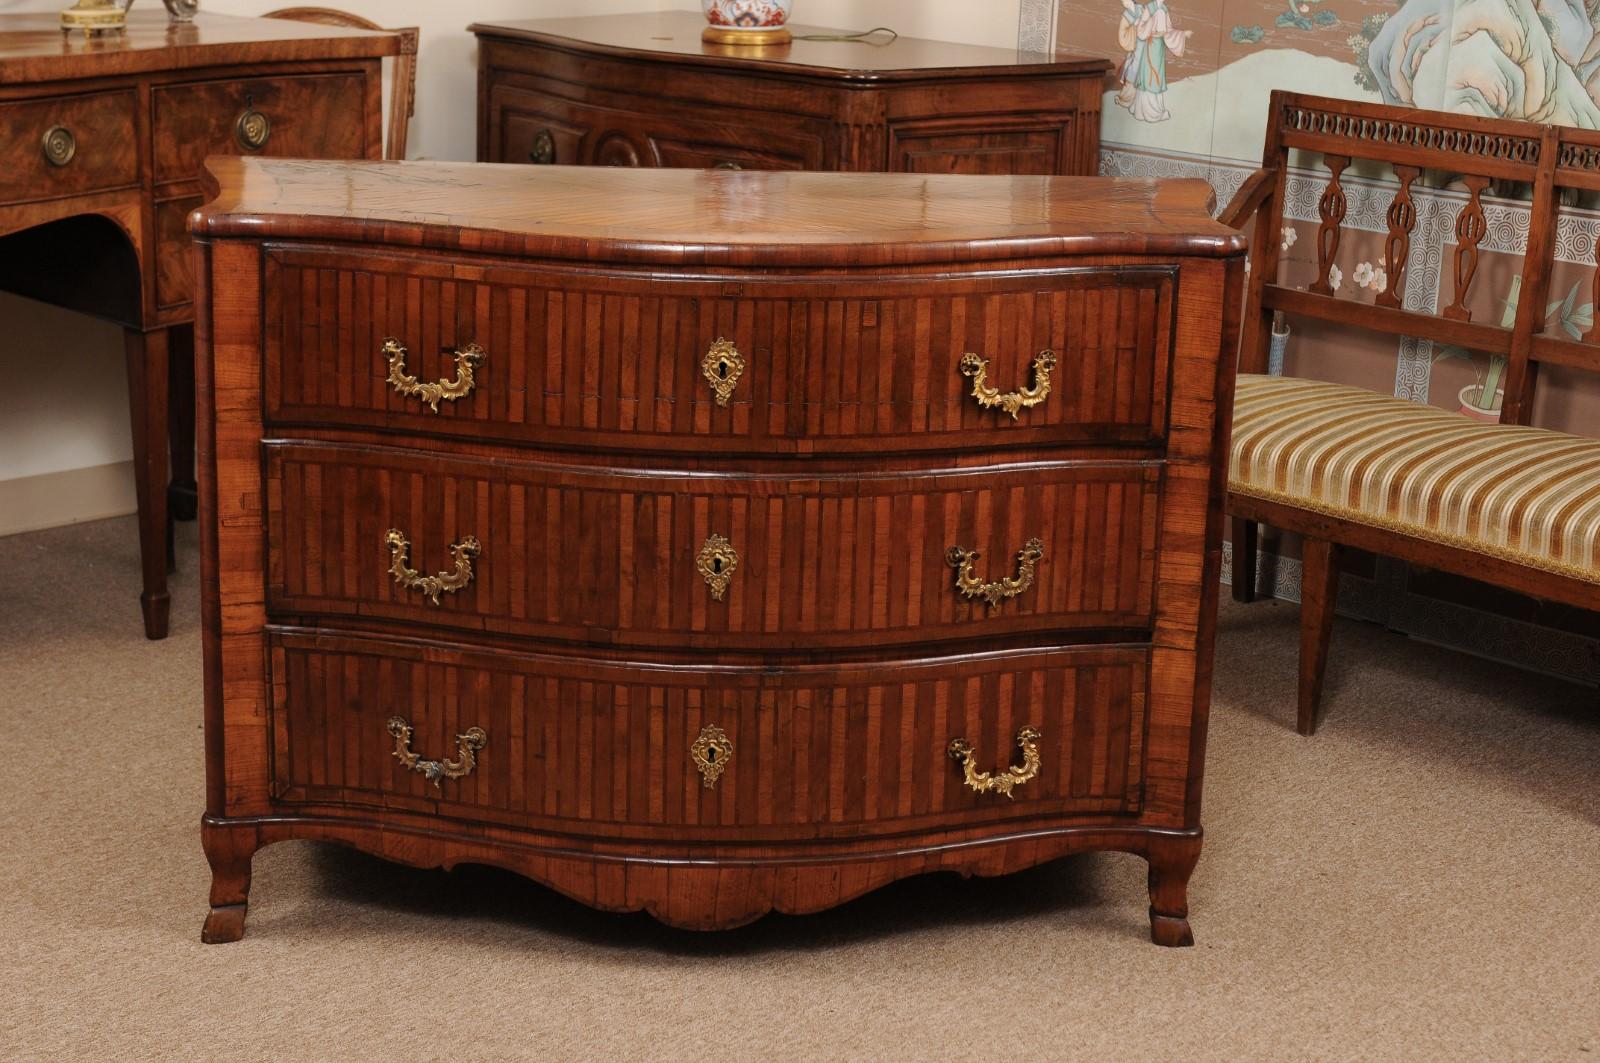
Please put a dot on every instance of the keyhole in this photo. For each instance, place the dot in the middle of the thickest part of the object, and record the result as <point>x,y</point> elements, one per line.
<point>716,565</point>
<point>711,755</point>
<point>722,370</point>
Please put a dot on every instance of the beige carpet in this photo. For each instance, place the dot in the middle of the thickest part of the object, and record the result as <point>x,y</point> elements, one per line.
<point>1419,881</point>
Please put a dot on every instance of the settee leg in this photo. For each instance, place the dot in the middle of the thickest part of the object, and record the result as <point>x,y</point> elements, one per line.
<point>1319,592</point>
<point>1245,543</point>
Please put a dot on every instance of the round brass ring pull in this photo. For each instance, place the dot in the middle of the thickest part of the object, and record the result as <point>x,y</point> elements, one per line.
<point>543,150</point>
<point>59,145</point>
<point>983,782</point>
<point>253,129</point>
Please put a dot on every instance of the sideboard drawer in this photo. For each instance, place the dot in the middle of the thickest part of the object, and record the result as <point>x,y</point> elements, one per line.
<point>822,364</point>
<point>59,147</point>
<point>313,116</point>
<point>535,127</point>
<point>803,751</point>
<point>604,555</point>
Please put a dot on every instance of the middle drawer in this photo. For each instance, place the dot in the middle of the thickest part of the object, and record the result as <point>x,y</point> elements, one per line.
<point>708,559</point>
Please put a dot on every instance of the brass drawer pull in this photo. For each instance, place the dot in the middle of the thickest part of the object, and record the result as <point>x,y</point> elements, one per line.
<point>467,360</point>
<point>430,586</point>
<point>59,145</point>
<point>468,743</point>
<point>971,586</point>
<point>543,150</point>
<point>716,563</point>
<point>1012,402</point>
<point>253,129</point>
<point>722,367</point>
<point>711,753</point>
<point>982,782</point>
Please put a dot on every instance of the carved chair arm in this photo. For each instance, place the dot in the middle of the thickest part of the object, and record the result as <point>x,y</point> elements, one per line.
<point>1249,199</point>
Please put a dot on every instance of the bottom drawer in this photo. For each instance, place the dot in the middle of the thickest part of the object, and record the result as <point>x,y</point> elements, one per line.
<point>605,748</point>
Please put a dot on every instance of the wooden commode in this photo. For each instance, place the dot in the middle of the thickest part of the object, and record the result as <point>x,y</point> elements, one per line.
<point>709,543</point>
<point>646,90</point>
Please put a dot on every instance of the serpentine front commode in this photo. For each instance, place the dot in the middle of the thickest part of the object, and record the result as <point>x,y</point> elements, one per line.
<point>670,537</point>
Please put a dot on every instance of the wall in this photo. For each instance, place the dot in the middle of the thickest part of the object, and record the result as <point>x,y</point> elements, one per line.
<point>65,411</point>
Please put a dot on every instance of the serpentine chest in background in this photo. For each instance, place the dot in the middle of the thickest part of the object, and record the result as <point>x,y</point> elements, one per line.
<point>709,543</point>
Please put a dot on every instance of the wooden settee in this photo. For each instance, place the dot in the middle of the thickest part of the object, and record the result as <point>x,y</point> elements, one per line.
<point>1506,503</point>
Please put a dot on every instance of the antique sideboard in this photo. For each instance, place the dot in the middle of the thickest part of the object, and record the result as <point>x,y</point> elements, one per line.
<point>709,543</point>
<point>644,90</point>
<point>101,149</point>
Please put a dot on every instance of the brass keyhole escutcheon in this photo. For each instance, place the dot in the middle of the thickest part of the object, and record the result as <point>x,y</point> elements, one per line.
<point>59,146</point>
<point>716,563</point>
<point>253,128</point>
<point>722,367</point>
<point>711,752</point>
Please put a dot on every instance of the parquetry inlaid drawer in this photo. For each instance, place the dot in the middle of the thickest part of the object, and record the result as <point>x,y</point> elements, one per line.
<point>60,147</point>
<point>803,751</point>
<point>613,555</point>
<point>805,365</point>
<point>313,116</point>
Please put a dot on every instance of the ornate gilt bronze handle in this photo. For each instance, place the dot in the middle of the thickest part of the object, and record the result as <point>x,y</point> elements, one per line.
<point>430,586</point>
<point>970,586</point>
<point>467,360</point>
<point>716,563</point>
<point>59,145</point>
<point>982,782</point>
<point>543,150</point>
<point>722,367</point>
<point>468,743</point>
<point>253,128</point>
<point>1012,402</point>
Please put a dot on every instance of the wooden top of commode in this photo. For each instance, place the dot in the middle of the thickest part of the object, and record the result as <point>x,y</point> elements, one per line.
<point>674,36</point>
<point>711,216</point>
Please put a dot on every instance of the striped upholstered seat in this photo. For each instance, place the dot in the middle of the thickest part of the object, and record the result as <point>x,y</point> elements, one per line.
<point>1527,495</point>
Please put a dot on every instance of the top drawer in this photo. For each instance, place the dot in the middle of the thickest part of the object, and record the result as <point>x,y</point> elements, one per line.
<point>773,365</point>
<point>312,116</point>
<point>60,147</point>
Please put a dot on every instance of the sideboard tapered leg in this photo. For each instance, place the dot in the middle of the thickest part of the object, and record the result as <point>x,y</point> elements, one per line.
<point>1172,861</point>
<point>229,851</point>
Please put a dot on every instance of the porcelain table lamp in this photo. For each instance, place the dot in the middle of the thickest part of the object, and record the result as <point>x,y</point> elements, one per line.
<point>748,22</point>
